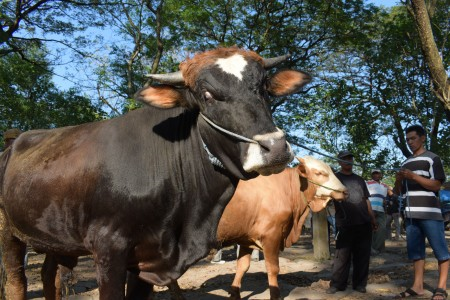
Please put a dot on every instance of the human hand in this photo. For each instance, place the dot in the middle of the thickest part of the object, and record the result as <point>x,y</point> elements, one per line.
<point>374,225</point>
<point>405,174</point>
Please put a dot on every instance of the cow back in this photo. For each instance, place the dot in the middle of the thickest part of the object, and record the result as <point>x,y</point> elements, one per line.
<point>133,175</point>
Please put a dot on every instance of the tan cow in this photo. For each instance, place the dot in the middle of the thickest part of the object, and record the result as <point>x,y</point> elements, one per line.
<point>268,213</point>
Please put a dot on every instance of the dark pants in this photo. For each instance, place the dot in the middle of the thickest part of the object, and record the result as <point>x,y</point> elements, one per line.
<point>353,244</point>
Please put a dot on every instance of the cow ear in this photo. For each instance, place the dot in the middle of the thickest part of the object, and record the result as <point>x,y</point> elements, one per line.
<point>287,82</point>
<point>301,168</point>
<point>162,96</point>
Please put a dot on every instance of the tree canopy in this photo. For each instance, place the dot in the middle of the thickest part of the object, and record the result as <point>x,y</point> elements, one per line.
<point>376,70</point>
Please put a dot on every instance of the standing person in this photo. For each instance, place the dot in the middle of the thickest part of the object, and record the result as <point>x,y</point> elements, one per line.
<point>331,219</point>
<point>378,193</point>
<point>419,179</point>
<point>9,136</point>
<point>354,222</point>
<point>392,215</point>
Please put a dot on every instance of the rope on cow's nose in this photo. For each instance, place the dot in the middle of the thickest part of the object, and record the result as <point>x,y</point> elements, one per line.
<point>239,137</point>
<point>325,187</point>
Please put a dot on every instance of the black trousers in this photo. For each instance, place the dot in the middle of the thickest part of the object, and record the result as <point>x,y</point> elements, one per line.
<point>353,245</point>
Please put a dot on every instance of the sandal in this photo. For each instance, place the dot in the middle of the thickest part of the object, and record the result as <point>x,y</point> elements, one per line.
<point>439,294</point>
<point>409,293</point>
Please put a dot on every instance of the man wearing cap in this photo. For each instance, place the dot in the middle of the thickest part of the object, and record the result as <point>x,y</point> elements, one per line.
<point>378,193</point>
<point>354,222</point>
<point>9,136</point>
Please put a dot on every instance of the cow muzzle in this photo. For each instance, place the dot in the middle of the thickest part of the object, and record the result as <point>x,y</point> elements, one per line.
<point>270,155</point>
<point>339,195</point>
<point>325,191</point>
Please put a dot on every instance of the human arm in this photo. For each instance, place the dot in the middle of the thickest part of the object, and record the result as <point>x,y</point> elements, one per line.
<point>373,221</point>
<point>397,190</point>
<point>390,192</point>
<point>429,184</point>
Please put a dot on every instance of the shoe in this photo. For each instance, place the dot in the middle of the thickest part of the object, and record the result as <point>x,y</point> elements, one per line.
<point>332,290</point>
<point>439,294</point>
<point>408,293</point>
<point>360,289</point>
<point>218,262</point>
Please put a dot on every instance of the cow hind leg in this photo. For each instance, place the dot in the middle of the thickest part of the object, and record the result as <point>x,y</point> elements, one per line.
<point>13,261</point>
<point>57,276</point>
<point>65,275</point>
<point>50,278</point>
<point>243,264</point>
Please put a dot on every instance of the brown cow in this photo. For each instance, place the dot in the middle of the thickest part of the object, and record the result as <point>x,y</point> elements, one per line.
<point>271,211</point>
<point>144,192</point>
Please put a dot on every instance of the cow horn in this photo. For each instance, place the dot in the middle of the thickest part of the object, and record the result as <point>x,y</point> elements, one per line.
<point>272,62</point>
<point>174,78</point>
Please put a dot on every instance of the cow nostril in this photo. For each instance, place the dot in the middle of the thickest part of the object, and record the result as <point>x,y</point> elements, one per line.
<point>266,144</point>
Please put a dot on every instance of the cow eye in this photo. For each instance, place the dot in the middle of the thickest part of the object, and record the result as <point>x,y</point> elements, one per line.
<point>319,173</point>
<point>208,95</point>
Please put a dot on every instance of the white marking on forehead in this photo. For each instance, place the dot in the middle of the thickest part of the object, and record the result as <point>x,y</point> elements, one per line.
<point>313,163</point>
<point>233,65</point>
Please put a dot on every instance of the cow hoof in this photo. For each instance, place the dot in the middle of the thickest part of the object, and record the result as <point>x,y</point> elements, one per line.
<point>235,294</point>
<point>275,293</point>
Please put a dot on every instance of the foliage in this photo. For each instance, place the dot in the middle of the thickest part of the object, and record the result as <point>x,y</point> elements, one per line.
<point>29,100</point>
<point>370,77</point>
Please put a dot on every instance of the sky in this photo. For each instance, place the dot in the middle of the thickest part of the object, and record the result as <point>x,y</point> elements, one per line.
<point>386,3</point>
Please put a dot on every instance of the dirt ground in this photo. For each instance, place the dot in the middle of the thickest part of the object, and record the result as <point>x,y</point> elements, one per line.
<point>301,277</point>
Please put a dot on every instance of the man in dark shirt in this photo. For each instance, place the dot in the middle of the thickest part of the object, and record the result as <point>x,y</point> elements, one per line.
<point>355,222</point>
<point>418,181</point>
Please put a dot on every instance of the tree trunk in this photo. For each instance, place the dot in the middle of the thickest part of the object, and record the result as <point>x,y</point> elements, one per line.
<point>441,82</point>
<point>320,235</point>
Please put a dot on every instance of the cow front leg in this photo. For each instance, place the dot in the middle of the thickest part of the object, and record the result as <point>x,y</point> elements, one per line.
<point>271,258</point>
<point>13,261</point>
<point>138,288</point>
<point>175,291</point>
<point>111,275</point>
<point>243,264</point>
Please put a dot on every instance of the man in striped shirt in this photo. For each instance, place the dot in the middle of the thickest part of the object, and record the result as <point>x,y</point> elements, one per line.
<point>378,193</point>
<point>419,179</point>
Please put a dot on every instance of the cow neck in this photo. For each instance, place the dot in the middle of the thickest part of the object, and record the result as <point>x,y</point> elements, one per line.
<point>218,146</point>
<point>212,159</point>
<point>316,204</point>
